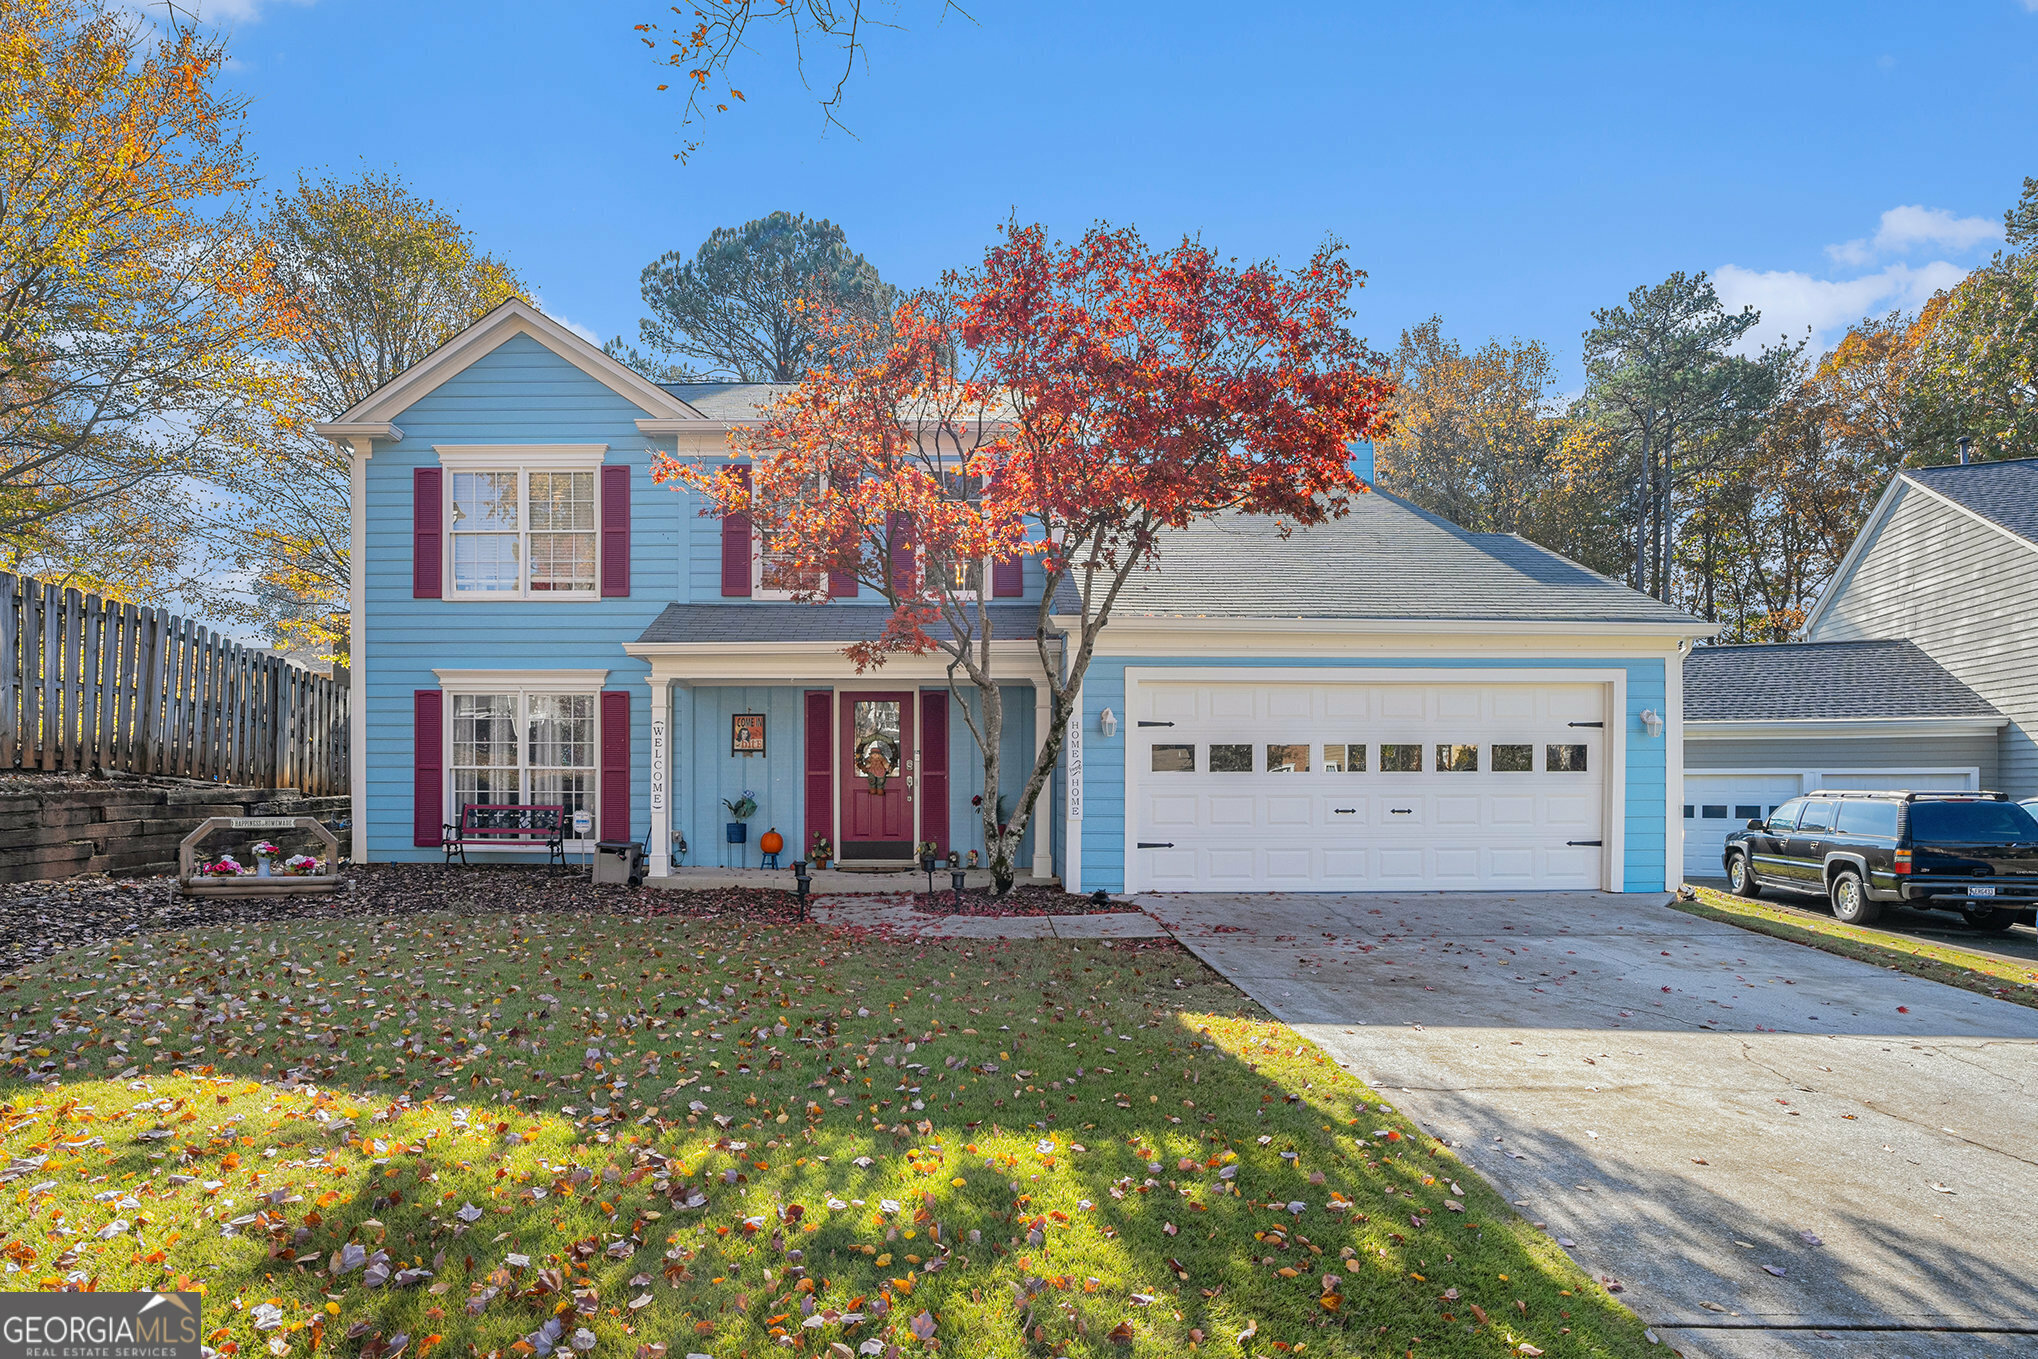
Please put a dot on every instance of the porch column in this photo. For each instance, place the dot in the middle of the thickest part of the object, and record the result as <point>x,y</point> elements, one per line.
<point>661,770</point>
<point>1043,810</point>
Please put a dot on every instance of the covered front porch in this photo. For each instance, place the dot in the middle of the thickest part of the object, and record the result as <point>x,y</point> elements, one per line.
<point>856,769</point>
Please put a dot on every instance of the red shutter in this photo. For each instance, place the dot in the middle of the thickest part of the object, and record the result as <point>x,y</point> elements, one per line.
<point>614,821</point>
<point>427,533</point>
<point>899,532</point>
<point>841,585</point>
<point>428,758</point>
<point>934,769</point>
<point>736,549</point>
<point>820,770</point>
<point>1008,578</point>
<point>615,532</point>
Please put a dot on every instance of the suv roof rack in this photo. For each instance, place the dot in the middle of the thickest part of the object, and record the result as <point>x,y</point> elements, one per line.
<point>1932,795</point>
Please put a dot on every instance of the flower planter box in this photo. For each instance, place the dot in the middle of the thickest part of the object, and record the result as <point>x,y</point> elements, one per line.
<point>192,883</point>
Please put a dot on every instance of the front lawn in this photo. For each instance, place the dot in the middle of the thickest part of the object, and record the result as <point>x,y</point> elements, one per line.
<point>521,1132</point>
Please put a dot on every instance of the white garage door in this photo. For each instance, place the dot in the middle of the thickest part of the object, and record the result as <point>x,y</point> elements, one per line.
<point>1717,804</point>
<point>1367,787</point>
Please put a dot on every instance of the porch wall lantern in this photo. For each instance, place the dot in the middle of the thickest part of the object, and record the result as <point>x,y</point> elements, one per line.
<point>1652,721</point>
<point>1107,722</point>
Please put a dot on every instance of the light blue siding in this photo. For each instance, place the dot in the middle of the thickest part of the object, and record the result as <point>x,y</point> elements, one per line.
<point>707,772</point>
<point>521,393</point>
<point>966,771</point>
<point>1103,824</point>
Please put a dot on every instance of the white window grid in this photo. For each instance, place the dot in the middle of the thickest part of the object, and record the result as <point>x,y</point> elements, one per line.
<point>523,532</point>
<point>524,746</point>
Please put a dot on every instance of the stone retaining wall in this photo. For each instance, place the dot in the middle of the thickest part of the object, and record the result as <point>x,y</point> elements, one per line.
<point>133,829</point>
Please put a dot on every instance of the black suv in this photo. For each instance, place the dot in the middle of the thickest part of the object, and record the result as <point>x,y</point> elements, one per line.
<point>1975,853</point>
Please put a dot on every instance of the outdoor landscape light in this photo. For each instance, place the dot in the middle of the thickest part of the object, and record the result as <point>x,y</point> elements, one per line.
<point>1107,722</point>
<point>1652,721</point>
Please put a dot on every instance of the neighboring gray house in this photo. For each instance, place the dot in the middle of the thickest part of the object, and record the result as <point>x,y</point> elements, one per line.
<point>1765,723</point>
<point>1918,668</point>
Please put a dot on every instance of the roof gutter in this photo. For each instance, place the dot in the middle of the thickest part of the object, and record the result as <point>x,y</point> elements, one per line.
<point>1842,728</point>
<point>1124,623</point>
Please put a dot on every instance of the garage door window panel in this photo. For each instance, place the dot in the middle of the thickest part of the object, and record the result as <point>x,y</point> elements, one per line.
<point>1514,759</point>
<point>1345,759</point>
<point>1231,759</point>
<point>1288,759</point>
<point>1457,759</point>
<point>1565,759</point>
<point>1400,758</point>
<point>1174,759</point>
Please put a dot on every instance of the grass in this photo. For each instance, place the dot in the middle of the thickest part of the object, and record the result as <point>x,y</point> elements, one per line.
<point>505,1134</point>
<point>1939,962</point>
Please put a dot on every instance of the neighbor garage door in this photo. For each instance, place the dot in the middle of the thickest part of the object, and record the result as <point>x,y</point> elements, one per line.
<point>1716,805</point>
<point>1367,787</point>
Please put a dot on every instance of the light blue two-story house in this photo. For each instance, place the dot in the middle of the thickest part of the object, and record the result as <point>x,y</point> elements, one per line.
<point>1386,702</point>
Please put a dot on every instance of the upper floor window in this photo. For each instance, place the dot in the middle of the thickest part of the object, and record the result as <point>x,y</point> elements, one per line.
<point>521,530</point>
<point>773,572</point>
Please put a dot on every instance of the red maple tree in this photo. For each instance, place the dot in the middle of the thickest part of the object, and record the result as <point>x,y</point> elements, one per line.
<point>1068,403</point>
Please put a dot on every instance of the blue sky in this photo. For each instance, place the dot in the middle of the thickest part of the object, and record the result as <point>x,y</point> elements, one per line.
<point>1510,166</point>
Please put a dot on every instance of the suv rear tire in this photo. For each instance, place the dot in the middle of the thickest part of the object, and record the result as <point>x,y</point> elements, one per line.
<point>1741,879</point>
<point>1851,905</point>
<point>1992,919</point>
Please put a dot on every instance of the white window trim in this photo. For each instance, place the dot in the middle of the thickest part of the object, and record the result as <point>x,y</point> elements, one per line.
<point>543,457</point>
<point>758,589</point>
<point>522,459</point>
<point>521,682</point>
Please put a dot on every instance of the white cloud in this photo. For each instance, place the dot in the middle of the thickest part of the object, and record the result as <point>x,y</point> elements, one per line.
<point>1792,303</point>
<point>207,11</point>
<point>1906,228</point>
<point>578,329</point>
<point>230,11</point>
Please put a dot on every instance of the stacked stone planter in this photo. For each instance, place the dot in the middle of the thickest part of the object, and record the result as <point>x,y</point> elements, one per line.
<point>130,829</point>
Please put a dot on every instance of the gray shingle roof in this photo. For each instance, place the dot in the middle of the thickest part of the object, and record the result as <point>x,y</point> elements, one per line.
<point>1386,559</point>
<point>776,621</point>
<point>2004,493</point>
<point>727,400</point>
<point>1813,681</point>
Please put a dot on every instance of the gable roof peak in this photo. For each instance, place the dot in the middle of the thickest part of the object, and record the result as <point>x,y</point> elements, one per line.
<point>484,336</point>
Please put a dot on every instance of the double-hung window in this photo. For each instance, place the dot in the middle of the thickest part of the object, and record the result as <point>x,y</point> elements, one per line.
<point>517,745</point>
<point>524,527</point>
<point>774,573</point>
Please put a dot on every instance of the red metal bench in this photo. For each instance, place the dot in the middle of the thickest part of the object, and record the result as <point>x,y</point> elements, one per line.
<point>485,825</point>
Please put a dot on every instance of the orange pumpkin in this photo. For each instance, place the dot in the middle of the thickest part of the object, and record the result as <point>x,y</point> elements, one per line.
<point>771,842</point>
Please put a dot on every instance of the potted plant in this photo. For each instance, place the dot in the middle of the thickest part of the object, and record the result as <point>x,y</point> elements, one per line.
<point>265,854</point>
<point>742,809</point>
<point>928,851</point>
<point>821,851</point>
<point>299,866</point>
<point>225,867</point>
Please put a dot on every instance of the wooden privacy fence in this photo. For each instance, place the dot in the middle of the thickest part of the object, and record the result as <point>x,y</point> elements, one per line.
<point>91,684</point>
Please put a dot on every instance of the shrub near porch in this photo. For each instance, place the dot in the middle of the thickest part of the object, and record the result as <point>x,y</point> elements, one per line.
<point>526,1133</point>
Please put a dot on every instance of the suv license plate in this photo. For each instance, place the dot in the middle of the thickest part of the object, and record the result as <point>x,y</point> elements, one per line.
<point>1981,891</point>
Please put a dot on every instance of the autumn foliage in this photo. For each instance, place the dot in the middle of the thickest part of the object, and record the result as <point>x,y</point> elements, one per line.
<point>131,289</point>
<point>1067,403</point>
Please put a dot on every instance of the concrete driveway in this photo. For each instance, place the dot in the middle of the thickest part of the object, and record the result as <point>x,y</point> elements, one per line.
<point>1771,1149</point>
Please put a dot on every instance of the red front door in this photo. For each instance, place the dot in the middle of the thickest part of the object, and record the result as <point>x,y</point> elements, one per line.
<point>877,775</point>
